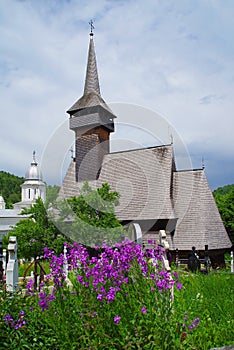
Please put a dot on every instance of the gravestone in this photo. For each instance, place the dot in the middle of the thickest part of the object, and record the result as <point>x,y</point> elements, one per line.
<point>135,233</point>
<point>165,245</point>
<point>12,282</point>
<point>1,261</point>
<point>5,259</point>
<point>65,262</point>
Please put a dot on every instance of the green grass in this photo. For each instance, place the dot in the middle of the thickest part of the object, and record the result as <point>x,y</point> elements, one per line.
<point>211,298</point>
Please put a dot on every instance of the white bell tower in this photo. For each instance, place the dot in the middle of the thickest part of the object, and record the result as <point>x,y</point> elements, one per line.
<point>33,187</point>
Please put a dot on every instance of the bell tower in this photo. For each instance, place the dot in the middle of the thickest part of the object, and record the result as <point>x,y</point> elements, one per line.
<point>92,121</point>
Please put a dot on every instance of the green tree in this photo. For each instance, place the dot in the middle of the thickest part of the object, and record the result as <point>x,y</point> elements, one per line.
<point>223,190</point>
<point>10,188</point>
<point>51,194</point>
<point>225,203</point>
<point>37,232</point>
<point>90,218</point>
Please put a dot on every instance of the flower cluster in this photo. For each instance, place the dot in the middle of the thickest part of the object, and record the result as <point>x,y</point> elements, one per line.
<point>30,287</point>
<point>15,324</point>
<point>194,324</point>
<point>106,273</point>
<point>45,300</point>
<point>56,267</point>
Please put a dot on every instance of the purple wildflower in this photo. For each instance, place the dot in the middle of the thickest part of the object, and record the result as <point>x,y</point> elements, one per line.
<point>195,323</point>
<point>9,320</point>
<point>45,300</point>
<point>143,310</point>
<point>117,319</point>
<point>99,297</point>
<point>18,324</point>
<point>107,273</point>
<point>30,287</point>
<point>179,286</point>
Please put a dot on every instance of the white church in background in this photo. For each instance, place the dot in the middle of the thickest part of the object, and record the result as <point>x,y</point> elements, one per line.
<point>32,189</point>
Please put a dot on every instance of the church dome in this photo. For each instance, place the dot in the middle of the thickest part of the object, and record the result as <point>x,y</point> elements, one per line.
<point>33,172</point>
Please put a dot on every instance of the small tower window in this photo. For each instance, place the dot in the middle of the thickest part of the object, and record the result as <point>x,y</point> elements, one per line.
<point>29,193</point>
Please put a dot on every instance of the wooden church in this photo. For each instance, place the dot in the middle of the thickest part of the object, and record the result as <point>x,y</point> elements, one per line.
<point>153,192</point>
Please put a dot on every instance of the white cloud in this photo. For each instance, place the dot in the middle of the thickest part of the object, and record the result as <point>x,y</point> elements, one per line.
<point>175,57</point>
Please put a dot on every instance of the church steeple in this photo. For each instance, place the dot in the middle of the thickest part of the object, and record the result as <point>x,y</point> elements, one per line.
<point>33,186</point>
<point>92,94</point>
<point>91,80</point>
<point>92,121</point>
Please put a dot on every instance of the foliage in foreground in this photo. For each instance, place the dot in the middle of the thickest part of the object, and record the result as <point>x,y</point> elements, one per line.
<point>120,300</point>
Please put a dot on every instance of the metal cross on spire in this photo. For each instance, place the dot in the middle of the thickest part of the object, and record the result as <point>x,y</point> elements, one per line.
<point>91,27</point>
<point>203,163</point>
<point>34,158</point>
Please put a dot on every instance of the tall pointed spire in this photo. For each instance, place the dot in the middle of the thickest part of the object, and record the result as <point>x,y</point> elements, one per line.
<point>91,80</point>
<point>92,95</point>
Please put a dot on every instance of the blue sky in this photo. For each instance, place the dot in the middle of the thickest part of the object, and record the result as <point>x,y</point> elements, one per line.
<point>175,58</point>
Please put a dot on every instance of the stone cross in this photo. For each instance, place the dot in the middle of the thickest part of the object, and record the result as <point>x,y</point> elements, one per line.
<point>165,245</point>
<point>1,261</point>
<point>65,263</point>
<point>12,282</point>
<point>4,261</point>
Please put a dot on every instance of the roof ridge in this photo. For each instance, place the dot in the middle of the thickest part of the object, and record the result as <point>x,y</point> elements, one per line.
<point>184,170</point>
<point>140,149</point>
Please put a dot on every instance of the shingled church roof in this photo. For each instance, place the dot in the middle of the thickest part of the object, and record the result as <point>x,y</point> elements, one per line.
<point>143,178</point>
<point>199,222</point>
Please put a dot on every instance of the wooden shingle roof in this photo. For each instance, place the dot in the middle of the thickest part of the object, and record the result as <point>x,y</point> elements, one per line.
<point>143,178</point>
<point>199,222</point>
